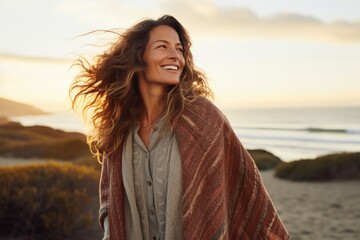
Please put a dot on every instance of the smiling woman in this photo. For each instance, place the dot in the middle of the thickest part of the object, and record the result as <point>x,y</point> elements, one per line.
<point>164,60</point>
<point>172,166</point>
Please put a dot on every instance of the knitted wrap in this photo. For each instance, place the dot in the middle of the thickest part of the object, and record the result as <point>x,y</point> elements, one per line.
<point>223,194</point>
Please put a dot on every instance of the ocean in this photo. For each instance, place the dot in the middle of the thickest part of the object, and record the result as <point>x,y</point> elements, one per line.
<point>289,133</point>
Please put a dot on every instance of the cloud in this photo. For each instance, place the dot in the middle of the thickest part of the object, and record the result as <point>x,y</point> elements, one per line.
<point>239,22</point>
<point>204,18</point>
<point>33,59</point>
<point>112,13</point>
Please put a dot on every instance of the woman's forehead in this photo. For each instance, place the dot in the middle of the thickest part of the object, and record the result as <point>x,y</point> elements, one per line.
<point>164,33</point>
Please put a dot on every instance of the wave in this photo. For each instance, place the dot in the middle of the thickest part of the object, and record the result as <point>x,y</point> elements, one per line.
<point>309,129</point>
<point>299,147</point>
<point>299,139</point>
<point>326,130</point>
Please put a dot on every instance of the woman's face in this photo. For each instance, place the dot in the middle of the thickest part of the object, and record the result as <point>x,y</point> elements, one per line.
<point>163,57</point>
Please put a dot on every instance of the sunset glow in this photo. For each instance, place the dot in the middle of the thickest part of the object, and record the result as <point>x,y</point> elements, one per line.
<point>256,55</point>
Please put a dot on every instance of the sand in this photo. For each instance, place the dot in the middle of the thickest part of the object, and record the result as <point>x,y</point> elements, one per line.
<point>309,210</point>
<point>316,210</point>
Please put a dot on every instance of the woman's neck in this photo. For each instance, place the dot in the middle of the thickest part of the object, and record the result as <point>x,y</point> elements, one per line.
<point>150,111</point>
<point>152,105</point>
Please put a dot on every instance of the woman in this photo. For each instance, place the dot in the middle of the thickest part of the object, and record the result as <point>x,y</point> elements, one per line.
<point>172,167</point>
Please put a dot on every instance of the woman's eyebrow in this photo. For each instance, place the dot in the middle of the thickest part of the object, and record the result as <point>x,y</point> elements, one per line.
<point>167,42</point>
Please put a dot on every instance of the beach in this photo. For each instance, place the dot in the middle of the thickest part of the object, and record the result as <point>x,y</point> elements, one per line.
<point>309,210</point>
<point>316,210</point>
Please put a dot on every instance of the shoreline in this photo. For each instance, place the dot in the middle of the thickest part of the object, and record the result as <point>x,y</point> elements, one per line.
<point>271,134</point>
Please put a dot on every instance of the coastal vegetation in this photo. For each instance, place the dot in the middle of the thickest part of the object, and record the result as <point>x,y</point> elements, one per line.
<point>47,199</point>
<point>264,160</point>
<point>41,142</point>
<point>54,199</point>
<point>339,166</point>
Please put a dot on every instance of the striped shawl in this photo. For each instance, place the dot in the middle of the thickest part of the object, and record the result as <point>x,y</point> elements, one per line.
<point>223,194</point>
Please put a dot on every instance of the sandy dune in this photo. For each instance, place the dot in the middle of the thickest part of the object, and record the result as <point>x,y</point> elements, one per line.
<point>328,210</point>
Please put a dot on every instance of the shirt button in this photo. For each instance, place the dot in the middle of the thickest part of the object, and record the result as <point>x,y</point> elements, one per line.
<point>149,183</point>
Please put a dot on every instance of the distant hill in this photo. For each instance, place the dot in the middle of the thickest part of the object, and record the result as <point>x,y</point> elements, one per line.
<point>10,108</point>
<point>41,142</point>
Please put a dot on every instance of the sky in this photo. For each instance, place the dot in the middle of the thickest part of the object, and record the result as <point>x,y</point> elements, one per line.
<point>256,54</point>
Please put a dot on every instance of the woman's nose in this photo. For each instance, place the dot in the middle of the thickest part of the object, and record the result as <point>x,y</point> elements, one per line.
<point>173,53</point>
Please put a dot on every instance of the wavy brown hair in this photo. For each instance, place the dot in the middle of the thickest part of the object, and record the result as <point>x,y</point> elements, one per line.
<point>108,92</point>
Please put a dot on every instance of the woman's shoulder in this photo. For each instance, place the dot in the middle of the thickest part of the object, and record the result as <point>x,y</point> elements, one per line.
<point>202,108</point>
<point>201,120</point>
<point>202,103</point>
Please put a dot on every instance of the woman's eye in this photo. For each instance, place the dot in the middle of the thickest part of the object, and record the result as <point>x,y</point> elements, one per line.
<point>180,50</point>
<point>161,46</point>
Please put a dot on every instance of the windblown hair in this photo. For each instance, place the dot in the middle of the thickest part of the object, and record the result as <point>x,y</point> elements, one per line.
<point>108,88</point>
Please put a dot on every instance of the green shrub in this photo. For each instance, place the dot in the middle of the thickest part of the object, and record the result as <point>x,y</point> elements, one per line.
<point>264,160</point>
<point>328,167</point>
<point>67,149</point>
<point>54,198</point>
